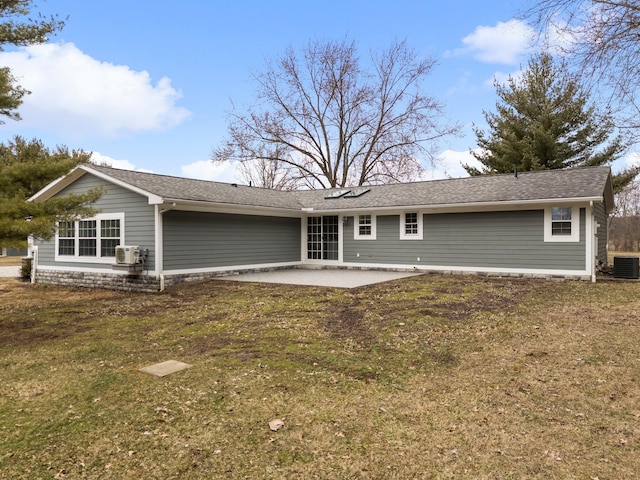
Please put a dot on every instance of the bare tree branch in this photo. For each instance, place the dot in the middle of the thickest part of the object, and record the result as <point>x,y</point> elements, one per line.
<point>324,120</point>
<point>601,38</point>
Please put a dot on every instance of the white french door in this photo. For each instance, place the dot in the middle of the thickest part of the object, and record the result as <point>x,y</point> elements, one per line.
<point>323,238</point>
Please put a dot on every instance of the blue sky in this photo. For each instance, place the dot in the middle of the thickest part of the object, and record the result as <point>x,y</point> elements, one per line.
<point>147,84</point>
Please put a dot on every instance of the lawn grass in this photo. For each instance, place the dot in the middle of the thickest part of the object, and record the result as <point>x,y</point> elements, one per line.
<point>10,261</point>
<point>428,377</point>
<point>612,255</point>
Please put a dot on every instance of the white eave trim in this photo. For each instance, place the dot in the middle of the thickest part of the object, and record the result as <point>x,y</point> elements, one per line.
<point>466,207</point>
<point>153,198</point>
<point>233,208</point>
<point>61,183</point>
<point>57,185</point>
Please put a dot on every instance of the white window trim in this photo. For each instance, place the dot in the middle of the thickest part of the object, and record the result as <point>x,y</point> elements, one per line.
<point>575,226</point>
<point>356,227</point>
<point>405,236</point>
<point>76,258</point>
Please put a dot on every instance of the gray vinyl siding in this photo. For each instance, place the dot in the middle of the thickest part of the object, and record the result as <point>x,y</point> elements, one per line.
<point>602,233</point>
<point>194,240</point>
<point>512,239</point>
<point>14,252</point>
<point>138,218</point>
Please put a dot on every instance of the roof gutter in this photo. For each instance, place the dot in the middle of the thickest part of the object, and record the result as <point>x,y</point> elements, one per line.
<point>230,207</point>
<point>473,206</point>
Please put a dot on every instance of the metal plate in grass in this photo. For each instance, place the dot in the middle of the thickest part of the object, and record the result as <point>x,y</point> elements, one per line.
<point>165,368</point>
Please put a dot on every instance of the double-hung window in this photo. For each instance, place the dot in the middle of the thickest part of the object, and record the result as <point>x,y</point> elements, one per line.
<point>562,224</point>
<point>87,239</point>
<point>110,233</point>
<point>90,239</point>
<point>411,226</point>
<point>365,227</point>
<point>66,238</point>
<point>560,221</point>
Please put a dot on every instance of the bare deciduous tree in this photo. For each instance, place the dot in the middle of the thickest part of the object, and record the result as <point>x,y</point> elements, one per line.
<point>628,200</point>
<point>268,174</point>
<point>326,120</point>
<point>624,229</point>
<point>602,37</point>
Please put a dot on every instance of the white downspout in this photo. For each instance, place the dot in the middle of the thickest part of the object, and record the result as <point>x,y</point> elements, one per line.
<point>159,240</point>
<point>34,262</point>
<point>591,236</point>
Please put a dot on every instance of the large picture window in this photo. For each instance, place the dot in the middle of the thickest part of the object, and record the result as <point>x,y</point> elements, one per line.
<point>90,240</point>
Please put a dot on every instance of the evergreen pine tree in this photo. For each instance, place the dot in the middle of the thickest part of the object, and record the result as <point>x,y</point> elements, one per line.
<point>25,168</point>
<point>19,27</point>
<point>543,121</point>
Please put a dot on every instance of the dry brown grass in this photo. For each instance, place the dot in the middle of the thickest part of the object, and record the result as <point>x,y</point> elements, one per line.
<point>611,255</point>
<point>10,261</point>
<point>429,377</point>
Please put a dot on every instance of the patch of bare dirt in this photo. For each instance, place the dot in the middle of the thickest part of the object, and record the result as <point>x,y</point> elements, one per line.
<point>346,320</point>
<point>458,300</point>
<point>26,331</point>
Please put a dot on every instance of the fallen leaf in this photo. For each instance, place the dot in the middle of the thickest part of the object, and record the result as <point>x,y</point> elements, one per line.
<point>276,424</point>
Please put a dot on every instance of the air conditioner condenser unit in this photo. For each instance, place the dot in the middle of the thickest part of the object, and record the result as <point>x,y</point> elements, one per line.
<point>626,267</point>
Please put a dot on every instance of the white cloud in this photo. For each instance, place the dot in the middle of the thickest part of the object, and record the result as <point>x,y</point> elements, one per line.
<point>99,159</point>
<point>503,44</point>
<point>449,164</point>
<point>561,38</point>
<point>77,95</point>
<point>208,170</point>
<point>632,160</point>
<point>503,78</point>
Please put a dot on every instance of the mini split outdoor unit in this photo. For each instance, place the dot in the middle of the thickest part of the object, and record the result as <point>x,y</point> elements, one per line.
<point>127,254</point>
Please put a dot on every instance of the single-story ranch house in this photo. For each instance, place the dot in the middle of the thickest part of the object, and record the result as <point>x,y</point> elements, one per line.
<point>157,230</point>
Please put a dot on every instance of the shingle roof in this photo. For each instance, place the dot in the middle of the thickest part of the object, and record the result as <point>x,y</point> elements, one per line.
<point>579,183</point>
<point>190,190</point>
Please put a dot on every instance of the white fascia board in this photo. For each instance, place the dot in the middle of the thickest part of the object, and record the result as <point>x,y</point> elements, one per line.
<point>63,182</point>
<point>152,197</point>
<point>213,207</point>
<point>58,185</point>
<point>466,207</point>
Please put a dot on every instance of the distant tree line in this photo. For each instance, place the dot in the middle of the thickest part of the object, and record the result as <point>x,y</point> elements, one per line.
<point>624,226</point>
<point>624,234</point>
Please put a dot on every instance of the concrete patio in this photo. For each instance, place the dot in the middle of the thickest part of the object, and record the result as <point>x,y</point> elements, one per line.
<point>339,278</point>
<point>9,272</point>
